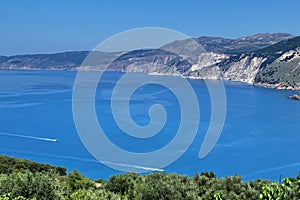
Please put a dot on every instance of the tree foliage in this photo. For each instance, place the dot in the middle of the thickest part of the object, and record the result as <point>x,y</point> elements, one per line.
<point>26,184</point>
<point>43,186</point>
<point>8,165</point>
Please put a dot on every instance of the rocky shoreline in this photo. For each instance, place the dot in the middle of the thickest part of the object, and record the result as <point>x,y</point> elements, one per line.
<point>275,63</point>
<point>295,97</point>
<point>276,86</point>
<point>263,85</point>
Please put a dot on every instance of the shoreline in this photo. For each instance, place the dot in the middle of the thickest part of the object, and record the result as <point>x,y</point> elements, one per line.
<point>277,86</point>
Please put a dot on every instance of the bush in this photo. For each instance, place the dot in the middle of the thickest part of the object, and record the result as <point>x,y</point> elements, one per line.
<point>24,185</point>
<point>8,165</point>
<point>94,195</point>
<point>42,186</point>
<point>77,181</point>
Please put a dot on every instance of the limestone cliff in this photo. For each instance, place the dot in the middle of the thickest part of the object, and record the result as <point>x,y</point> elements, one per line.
<point>268,60</point>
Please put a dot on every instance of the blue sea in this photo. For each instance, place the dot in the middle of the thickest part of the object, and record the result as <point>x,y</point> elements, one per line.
<point>260,138</point>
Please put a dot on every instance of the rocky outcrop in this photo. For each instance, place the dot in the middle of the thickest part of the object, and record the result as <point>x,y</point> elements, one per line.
<point>295,97</point>
<point>244,69</point>
<point>208,59</point>
<point>290,55</point>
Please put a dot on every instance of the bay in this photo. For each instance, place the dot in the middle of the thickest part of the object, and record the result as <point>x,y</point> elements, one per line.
<point>260,138</point>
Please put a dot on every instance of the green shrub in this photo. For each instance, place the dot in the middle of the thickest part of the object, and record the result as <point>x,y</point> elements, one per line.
<point>42,186</point>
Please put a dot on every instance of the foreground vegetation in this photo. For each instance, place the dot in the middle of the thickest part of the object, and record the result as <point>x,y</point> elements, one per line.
<point>23,180</point>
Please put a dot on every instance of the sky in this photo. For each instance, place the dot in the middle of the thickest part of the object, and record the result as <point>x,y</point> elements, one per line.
<point>35,26</point>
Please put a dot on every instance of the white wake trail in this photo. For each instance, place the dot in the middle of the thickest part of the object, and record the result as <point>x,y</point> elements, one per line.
<point>28,137</point>
<point>146,168</point>
<point>134,166</point>
<point>50,155</point>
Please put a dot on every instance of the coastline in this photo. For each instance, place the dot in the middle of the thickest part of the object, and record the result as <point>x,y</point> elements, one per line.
<point>278,86</point>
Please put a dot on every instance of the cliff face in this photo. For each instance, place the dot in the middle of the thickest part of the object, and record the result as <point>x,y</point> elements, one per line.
<point>275,66</point>
<point>244,69</point>
<point>249,59</point>
<point>268,60</point>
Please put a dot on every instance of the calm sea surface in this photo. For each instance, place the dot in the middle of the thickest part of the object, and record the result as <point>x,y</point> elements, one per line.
<point>260,139</point>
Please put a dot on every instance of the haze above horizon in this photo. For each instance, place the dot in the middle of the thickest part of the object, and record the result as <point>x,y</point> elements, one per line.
<point>34,26</point>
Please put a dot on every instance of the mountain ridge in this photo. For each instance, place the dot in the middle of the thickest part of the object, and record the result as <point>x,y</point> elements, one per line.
<point>252,59</point>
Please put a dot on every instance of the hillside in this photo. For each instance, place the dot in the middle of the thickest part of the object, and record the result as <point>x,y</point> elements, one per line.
<point>282,68</point>
<point>24,184</point>
<point>268,60</point>
<point>241,45</point>
<point>57,61</point>
<point>275,66</point>
<point>9,165</point>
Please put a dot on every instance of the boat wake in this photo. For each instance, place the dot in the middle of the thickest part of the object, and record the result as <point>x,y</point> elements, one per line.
<point>134,166</point>
<point>28,137</point>
<point>129,166</point>
<point>64,157</point>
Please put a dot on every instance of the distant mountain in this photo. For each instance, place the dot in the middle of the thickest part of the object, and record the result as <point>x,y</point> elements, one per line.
<point>64,60</point>
<point>3,58</point>
<point>232,46</point>
<point>150,61</point>
<point>269,60</point>
<point>57,61</point>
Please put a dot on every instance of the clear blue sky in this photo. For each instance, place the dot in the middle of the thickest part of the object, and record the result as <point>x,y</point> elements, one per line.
<point>37,26</point>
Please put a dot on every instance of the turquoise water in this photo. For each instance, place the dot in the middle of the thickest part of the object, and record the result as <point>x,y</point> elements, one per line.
<point>260,138</point>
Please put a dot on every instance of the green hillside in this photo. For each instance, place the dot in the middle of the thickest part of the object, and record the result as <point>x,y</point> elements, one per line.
<point>280,47</point>
<point>9,165</point>
<point>283,73</point>
<point>278,71</point>
<point>32,181</point>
